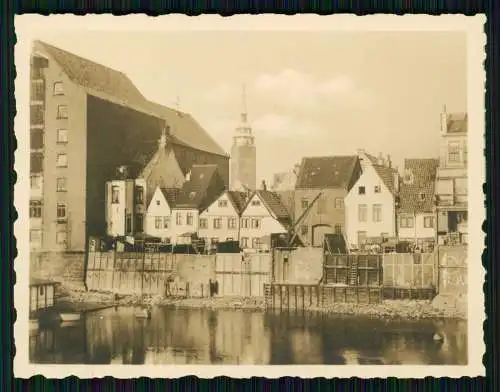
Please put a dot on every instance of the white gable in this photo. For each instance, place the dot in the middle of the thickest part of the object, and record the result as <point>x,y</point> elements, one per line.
<point>256,207</point>
<point>221,207</point>
<point>158,205</point>
<point>368,179</point>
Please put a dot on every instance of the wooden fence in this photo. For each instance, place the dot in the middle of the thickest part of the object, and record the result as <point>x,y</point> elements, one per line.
<point>242,274</point>
<point>362,270</point>
<point>179,275</point>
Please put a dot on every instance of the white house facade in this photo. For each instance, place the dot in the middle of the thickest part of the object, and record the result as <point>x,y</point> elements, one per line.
<point>159,214</point>
<point>221,220</point>
<point>370,205</point>
<point>262,216</point>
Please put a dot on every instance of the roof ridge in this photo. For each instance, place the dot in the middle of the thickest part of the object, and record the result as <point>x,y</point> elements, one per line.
<point>50,46</point>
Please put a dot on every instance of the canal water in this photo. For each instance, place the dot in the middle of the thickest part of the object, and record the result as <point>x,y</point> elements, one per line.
<point>200,336</point>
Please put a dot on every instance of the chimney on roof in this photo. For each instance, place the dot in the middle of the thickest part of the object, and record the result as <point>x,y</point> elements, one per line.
<point>122,172</point>
<point>380,159</point>
<point>389,162</point>
<point>444,121</point>
<point>264,185</point>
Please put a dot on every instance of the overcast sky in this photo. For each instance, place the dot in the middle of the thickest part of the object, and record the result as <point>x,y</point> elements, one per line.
<point>308,94</point>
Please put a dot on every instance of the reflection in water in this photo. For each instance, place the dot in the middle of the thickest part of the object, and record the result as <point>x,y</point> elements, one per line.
<point>176,336</point>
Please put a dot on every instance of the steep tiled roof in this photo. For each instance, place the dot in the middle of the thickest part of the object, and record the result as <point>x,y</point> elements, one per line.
<point>115,85</point>
<point>202,189</point>
<point>171,195</point>
<point>94,76</point>
<point>387,175</point>
<point>185,128</point>
<point>238,199</point>
<point>457,122</point>
<point>417,195</point>
<point>273,203</point>
<point>326,172</point>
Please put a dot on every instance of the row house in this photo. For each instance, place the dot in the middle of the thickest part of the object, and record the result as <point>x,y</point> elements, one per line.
<point>207,210</point>
<point>264,214</point>
<point>371,203</point>
<point>203,186</point>
<point>322,184</point>
<point>452,180</point>
<point>416,215</point>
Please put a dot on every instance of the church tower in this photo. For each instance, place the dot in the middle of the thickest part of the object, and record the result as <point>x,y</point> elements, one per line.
<point>243,154</point>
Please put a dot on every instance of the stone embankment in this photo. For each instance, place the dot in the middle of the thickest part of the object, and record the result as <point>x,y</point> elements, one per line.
<point>440,307</point>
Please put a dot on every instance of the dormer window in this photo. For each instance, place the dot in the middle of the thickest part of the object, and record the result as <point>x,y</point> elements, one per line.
<point>408,177</point>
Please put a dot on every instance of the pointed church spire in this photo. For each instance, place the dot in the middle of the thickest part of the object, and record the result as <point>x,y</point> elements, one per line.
<point>244,116</point>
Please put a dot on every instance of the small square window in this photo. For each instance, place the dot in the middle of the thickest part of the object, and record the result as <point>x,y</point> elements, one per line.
<point>62,160</point>
<point>361,190</point>
<point>157,202</point>
<point>62,136</point>
<point>222,203</point>
<point>376,189</point>
<point>304,203</point>
<point>61,184</point>
<point>256,202</point>
<point>58,88</point>
<point>62,111</point>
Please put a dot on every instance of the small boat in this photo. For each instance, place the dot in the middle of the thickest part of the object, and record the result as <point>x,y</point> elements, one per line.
<point>70,316</point>
<point>143,313</point>
<point>33,325</point>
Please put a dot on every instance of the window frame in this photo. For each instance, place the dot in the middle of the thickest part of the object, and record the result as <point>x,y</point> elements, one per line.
<point>364,208</point>
<point>61,210</point>
<point>36,209</point>
<point>361,190</point>
<point>453,149</point>
<point>58,163</point>
<point>58,83</point>
<point>62,112</point>
<point>115,194</point>
<point>62,131</point>
<point>203,223</point>
<point>406,219</point>
<point>428,222</point>
<point>62,184</point>
<point>377,213</point>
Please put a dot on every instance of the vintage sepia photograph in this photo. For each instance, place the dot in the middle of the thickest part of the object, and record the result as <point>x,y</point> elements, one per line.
<point>194,196</point>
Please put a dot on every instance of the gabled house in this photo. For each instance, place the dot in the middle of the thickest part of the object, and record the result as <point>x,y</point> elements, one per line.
<point>220,221</point>
<point>322,184</point>
<point>159,213</point>
<point>370,206</point>
<point>263,214</point>
<point>416,212</point>
<point>452,179</point>
<point>203,186</point>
